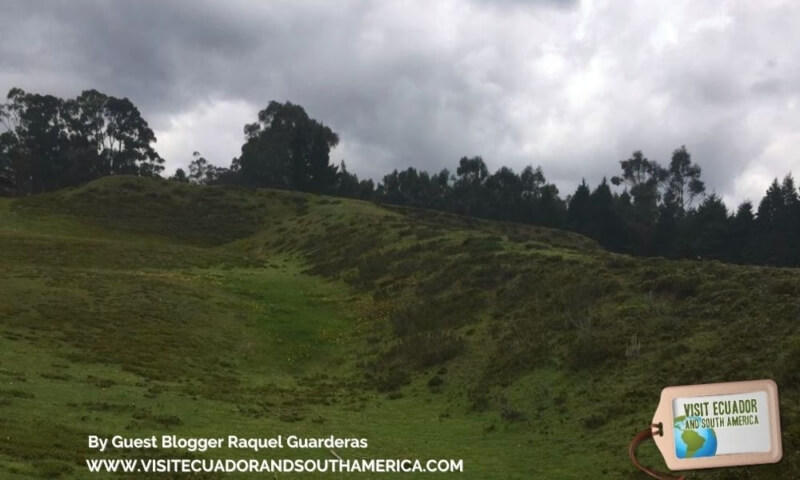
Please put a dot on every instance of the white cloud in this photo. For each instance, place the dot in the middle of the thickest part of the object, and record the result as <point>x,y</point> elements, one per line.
<point>572,86</point>
<point>214,128</point>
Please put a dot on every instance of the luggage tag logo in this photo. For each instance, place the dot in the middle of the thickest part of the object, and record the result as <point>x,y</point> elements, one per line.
<point>716,425</point>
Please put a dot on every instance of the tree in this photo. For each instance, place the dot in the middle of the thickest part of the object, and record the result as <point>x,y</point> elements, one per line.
<point>50,143</point>
<point>744,214</point>
<point>643,178</point>
<point>789,191</point>
<point>366,189</point>
<point>413,185</point>
<point>684,180</point>
<point>778,223</point>
<point>442,191</point>
<point>471,172</point>
<point>468,188</point>
<point>389,189</point>
<point>772,207</point>
<point>202,172</point>
<point>605,224</point>
<point>286,148</point>
<point>532,182</point>
<point>12,151</point>
<point>550,210</point>
<point>504,190</point>
<point>180,176</point>
<point>578,212</point>
<point>8,144</point>
<point>88,122</point>
<point>40,152</point>
<point>347,184</point>
<point>771,243</point>
<point>113,130</point>
<point>742,229</point>
<point>408,187</point>
<point>540,204</point>
<point>130,150</point>
<point>711,230</point>
<point>667,242</point>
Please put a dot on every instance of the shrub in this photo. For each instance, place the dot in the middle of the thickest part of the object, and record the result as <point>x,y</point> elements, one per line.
<point>479,245</point>
<point>509,413</point>
<point>787,374</point>
<point>168,420</point>
<point>435,381</point>
<point>479,397</point>
<point>587,351</point>
<point>594,421</point>
<point>679,286</point>
<point>392,380</point>
<point>437,312</point>
<point>429,348</point>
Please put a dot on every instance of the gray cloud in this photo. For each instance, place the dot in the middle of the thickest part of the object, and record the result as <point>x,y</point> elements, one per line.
<point>572,86</point>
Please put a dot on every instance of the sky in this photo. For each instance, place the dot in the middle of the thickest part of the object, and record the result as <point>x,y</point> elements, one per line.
<point>571,86</point>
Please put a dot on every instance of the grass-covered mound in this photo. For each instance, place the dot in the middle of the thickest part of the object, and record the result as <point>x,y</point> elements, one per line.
<point>143,306</point>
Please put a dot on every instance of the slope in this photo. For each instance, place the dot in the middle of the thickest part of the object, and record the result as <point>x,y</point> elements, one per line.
<point>144,306</point>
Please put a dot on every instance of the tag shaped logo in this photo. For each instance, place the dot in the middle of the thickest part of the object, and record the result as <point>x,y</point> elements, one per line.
<point>691,440</point>
<point>719,424</point>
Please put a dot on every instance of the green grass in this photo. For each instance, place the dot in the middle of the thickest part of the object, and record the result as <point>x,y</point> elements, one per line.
<point>139,307</point>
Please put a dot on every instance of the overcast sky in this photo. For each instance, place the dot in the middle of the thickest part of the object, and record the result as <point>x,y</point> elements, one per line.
<point>573,86</point>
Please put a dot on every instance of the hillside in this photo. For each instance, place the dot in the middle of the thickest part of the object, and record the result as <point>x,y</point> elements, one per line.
<point>143,306</point>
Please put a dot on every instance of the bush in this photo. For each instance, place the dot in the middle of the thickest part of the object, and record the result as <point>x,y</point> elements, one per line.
<point>429,348</point>
<point>479,397</point>
<point>479,245</point>
<point>509,413</point>
<point>594,421</point>
<point>435,381</point>
<point>679,286</point>
<point>787,375</point>
<point>452,310</point>
<point>587,351</point>
<point>392,380</point>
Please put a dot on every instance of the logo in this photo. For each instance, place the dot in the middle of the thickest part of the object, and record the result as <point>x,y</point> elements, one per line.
<point>693,438</point>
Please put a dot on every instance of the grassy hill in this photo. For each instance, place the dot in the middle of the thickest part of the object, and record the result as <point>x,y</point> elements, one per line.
<point>143,307</point>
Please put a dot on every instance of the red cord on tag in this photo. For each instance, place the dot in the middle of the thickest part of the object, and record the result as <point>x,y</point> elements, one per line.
<point>639,438</point>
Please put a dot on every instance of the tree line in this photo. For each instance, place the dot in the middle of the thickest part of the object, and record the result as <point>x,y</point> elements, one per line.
<point>50,143</point>
<point>663,210</point>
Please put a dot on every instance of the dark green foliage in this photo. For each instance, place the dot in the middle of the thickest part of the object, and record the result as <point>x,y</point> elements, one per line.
<point>587,352</point>
<point>684,180</point>
<point>427,349</point>
<point>286,148</point>
<point>505,195</point>
<point>509,413</point>
<point>594,421</point>
<point>180,176</point>
<point>788,367</point>
<point>348,185</point>
<point>51,143</point>
<point>654,215</point>
<point>435,381</point>
<point>643,177</point>
<point>203,173</point>
<point>392,380</point>
<point>678,286</point>
<point>578,214</point>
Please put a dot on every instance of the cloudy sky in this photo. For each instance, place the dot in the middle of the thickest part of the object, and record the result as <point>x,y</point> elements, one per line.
<point>573,86</point>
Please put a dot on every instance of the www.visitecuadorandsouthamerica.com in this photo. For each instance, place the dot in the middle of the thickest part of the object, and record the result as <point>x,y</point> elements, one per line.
<point>328,465</point>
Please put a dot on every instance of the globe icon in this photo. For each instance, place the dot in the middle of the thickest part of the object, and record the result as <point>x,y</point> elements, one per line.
<point>691,441</point>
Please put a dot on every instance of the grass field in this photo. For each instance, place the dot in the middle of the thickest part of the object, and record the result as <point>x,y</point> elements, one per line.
<point>143,307</point>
